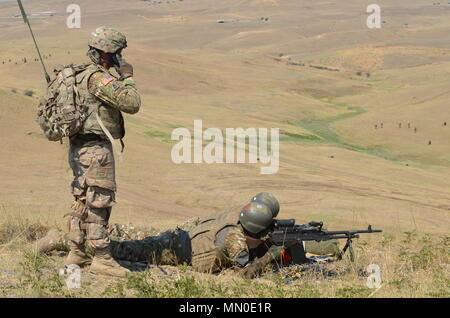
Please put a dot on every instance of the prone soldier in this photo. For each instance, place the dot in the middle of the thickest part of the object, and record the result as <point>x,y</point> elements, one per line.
<point>234,238</point>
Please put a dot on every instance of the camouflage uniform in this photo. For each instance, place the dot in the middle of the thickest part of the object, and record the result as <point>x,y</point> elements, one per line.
<point>193,243</point>
<point>91,153</point>
<point>218,242</point>
<point>210,244</point>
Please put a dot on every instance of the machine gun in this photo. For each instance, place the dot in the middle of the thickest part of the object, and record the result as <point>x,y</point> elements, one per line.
<point>291,236</point>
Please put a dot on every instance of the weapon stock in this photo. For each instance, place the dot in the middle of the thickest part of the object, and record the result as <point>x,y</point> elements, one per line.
<point>25,20</point>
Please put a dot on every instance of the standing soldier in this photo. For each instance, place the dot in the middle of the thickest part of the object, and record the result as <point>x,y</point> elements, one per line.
<point>91,149</point>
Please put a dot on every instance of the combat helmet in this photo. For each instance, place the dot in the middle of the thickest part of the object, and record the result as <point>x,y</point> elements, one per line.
<point>255,217</point>
<point>108,40</point>
<point>269,200</point>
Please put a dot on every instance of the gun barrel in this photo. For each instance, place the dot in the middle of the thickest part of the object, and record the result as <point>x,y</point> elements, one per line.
<point>342,236</point>
<point>351,232</point>
<point>299,234</point>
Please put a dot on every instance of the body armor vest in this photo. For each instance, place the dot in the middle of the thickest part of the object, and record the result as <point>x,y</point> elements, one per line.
<point>111,117</point>
<point>208,255</point>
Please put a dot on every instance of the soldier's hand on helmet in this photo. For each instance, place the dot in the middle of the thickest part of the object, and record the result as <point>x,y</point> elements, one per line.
<point>126,69</point>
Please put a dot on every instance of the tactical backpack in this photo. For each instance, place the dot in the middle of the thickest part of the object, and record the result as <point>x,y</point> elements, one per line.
<point>60,112</point>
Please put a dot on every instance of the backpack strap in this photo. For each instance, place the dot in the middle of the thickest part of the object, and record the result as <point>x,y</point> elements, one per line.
<point>110,137</point>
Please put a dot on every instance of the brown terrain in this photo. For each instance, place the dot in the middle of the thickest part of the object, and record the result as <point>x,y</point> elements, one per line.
<point>337,90</point>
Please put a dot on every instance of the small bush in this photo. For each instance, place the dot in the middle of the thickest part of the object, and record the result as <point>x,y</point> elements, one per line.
<point>29,93</point>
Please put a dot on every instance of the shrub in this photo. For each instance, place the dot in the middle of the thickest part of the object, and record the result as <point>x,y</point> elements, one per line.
<point>29,93</point>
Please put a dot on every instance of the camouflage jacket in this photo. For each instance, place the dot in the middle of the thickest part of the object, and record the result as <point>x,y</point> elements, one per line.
<point>105,94</point>
<point>218,242</point>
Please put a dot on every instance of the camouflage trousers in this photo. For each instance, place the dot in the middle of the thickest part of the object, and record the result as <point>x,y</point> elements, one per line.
<point>93,188</point>
<point>171,247</point>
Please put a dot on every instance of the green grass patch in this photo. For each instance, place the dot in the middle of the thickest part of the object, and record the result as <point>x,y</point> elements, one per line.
<point>37,279</point>
<point>353,292</point>
<point>190,285</point>
<point>441,283</point>
<point>322,131</point>
<point>157,134</point>
<point>298,137</point>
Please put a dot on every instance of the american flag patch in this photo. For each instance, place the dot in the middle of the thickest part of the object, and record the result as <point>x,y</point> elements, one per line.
<point>107,80</point>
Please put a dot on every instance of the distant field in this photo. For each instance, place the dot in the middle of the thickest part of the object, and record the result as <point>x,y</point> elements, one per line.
<point>363,115</point>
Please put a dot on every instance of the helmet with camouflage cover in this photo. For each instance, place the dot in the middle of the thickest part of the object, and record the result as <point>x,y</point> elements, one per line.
<point>255,217</point>
<point>108,40</point>
<point>269,200</point>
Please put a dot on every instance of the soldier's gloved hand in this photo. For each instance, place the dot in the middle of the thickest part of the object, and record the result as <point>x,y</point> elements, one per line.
<point>126,69</point>
<point>256,267</point>
<point>251,271</point>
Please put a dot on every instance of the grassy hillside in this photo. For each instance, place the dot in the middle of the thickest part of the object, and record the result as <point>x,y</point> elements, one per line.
<point>314,70</point>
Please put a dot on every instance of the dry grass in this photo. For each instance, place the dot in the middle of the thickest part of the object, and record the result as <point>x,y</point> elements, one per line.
<point>18,231</point>
<point>412,265</point>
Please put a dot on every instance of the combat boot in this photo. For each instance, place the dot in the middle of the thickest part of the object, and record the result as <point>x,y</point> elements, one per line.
<point>104,264</point>
<point>78,257</point>
<point>50,242</point>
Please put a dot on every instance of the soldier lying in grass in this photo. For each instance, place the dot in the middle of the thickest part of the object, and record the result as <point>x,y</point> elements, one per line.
<point>236,238</point>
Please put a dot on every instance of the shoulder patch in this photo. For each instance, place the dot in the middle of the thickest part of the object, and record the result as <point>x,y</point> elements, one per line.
<point>107,80</point>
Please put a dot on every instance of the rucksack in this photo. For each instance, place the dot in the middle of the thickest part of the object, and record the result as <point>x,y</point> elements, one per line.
<point>60,112</point>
